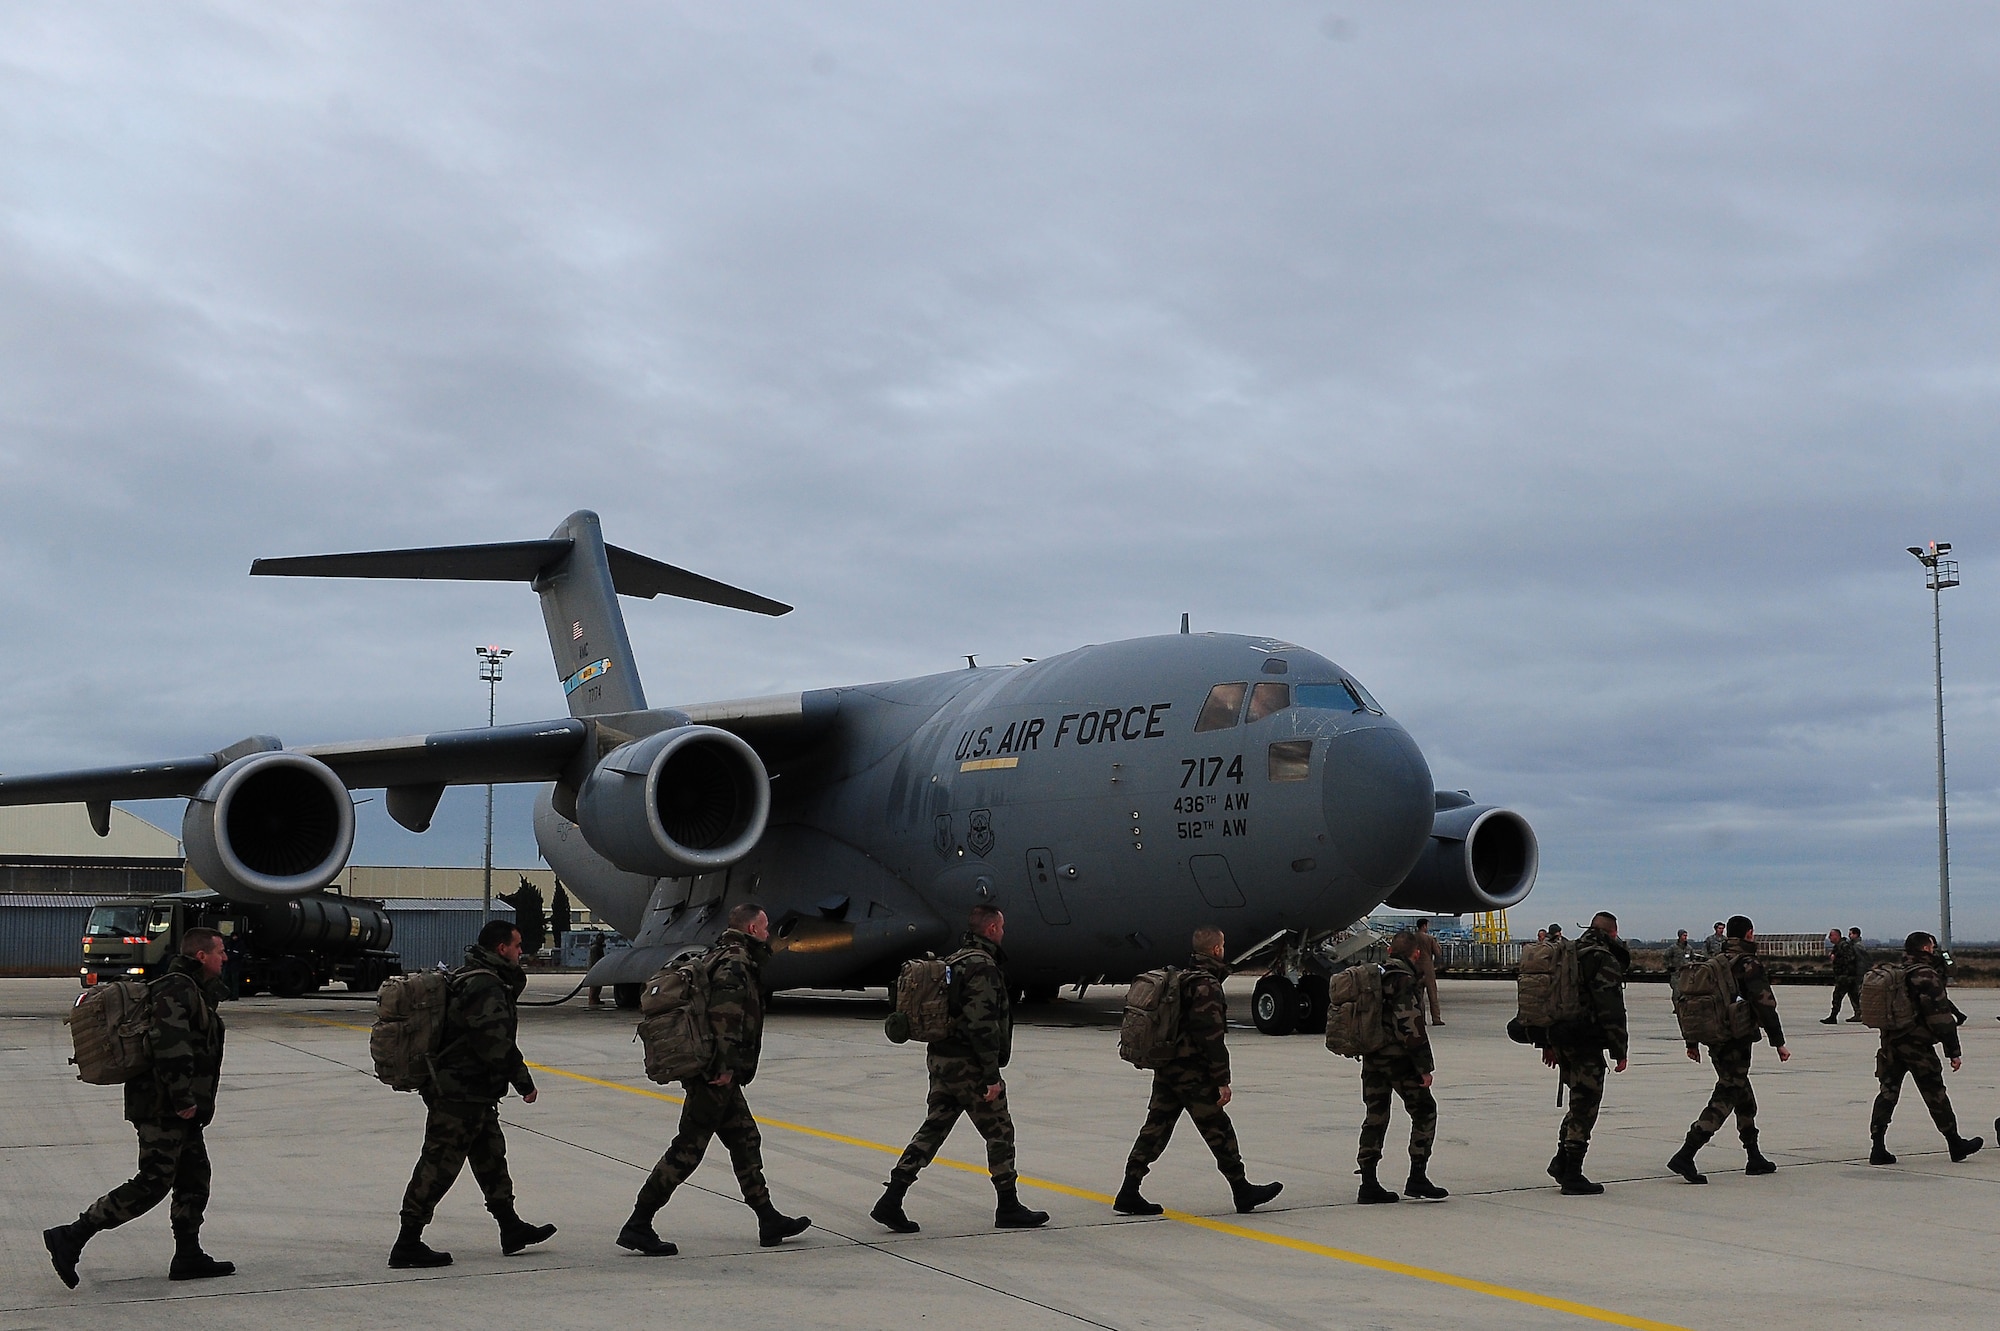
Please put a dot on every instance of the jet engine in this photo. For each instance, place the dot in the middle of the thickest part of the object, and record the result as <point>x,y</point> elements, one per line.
<point>1479,858</point>
<point>690,800</point>
<point>269,825</point>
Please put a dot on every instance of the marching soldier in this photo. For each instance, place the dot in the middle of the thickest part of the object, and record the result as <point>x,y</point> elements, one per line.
<point>1578,1052</point>
<point>965,1079</point>
<point>1914,1051</point>
<point>1196,1083</point>
<point>714,1106</point>
<point>1846,981</point>
<point>477,1063</point>
<point>1731,1058</point>
<point>1402,1067</point>
<point>171,1105</point>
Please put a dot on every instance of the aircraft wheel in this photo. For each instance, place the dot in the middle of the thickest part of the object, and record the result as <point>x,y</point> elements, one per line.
<point>1310,1005</point>
<point>1039,993</point>
<point>1274,1005</point>
<point>626,995</point>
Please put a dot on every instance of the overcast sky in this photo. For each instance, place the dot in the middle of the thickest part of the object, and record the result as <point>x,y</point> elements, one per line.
<point>1574,374</point>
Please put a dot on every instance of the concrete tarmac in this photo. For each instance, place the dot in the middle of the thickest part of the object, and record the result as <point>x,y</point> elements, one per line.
<point>312,1154</point>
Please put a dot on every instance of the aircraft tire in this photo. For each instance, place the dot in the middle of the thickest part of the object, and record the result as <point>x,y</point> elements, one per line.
<point>626,996</point>
<point>1274,1005</point>
<point>1309,1005</point>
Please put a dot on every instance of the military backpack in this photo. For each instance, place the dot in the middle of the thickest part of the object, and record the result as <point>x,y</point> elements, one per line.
<point>1150,1034</point>
<point>409,1028</point>
<point>110,1032</point>
<point>1709,1008</point>
<point>926,1006</point>
<point>673,1021</point>
<point>1355,1022</point>
<point>1548,998</point>
<point>1886,1002</point>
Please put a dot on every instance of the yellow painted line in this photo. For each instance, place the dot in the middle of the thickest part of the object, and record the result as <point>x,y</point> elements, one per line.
<point>989,764</point>
<point>1507,1293</point>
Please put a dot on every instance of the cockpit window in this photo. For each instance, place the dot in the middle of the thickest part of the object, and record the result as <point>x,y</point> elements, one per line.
<point>1224,705</point>
<point>1367,700</point>
<point>1268,698</point>
<point>1332,697</point>
<point>1290,760</point>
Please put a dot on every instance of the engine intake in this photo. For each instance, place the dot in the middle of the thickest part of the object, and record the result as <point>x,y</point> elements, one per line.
<point>269,825</point>
<point>1479,858</point>
<point>689,800</point>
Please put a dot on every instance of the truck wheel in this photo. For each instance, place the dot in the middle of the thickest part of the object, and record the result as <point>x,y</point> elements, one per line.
<point>626,995</point>
<point>1274,1005</point>
<point>291,978</point>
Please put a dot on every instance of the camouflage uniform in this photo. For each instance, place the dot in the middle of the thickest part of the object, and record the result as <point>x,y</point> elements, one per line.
<point>1846,979</point>
<point>478,1062</point>
<point>1192,1083</point>
<point>1914,1052</point>
<point>1601,965</point>
<point>965,1063</point>
<point>1399,1067</point>
<point>186,1039</point>
<point>1733,1094</point>
<point>1677,956</point>
<point>736,1013</point>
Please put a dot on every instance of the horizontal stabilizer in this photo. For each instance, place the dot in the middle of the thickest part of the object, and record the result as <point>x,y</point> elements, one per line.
<point>519,561</point>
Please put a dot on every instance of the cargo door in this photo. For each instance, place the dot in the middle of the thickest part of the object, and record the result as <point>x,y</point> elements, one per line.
<point>1214,881</point>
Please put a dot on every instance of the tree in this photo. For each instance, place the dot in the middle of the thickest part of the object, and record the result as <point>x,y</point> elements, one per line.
<point>528,918</point>
<point>559,913</point>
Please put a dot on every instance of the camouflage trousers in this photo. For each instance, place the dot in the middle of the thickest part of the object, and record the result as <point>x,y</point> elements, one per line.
<point>1395,1073</point>
<point>958,1087</point>
<point>1849,988</point>
<point>709,1112</point>
<point>173,1159</point>
<point>456,1131</point>
<point>1174,1093</point>
<point>1582,1073</point>
<point>1732,1094</point>
<point>1919,1058</point>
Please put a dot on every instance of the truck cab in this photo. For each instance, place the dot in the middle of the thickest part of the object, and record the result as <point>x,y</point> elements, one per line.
<point>287,948</point>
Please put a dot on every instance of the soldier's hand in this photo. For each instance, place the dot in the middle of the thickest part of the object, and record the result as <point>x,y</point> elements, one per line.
<point>1957,1063</point>
<point>728,1077</point>
<point>1620,1065</point>
<point>192,1110</point>
<point>993,1092</point>
<point>1222,1097</point>
<point>1427,1080</point>
<point>1548,1058</point>
<point>1784,1053</point>
<point>531,1096</point>
<point>1694,1053</point>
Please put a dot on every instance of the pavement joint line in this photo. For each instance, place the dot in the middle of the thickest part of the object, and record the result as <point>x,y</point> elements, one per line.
<point>1507,1293</point>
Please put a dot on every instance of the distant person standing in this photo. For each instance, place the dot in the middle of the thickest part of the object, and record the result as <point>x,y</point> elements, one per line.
<point>1845,982</point>
<point>1425,959</point>
<point>1731,1058</point>
<point>1679,953</point>
<point>590,964</point>
<point>1860,961</point>
<point>1912,1051</point>
<point>1715,943</point>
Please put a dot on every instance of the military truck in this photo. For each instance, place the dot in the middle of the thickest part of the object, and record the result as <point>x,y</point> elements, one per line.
<point>288,947</point>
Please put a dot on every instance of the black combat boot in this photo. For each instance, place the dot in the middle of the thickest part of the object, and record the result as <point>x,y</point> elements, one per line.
<point>1682,1162</point>
<point>1010,1214</point>
<point>1249,1196</point>
<point>774,1228</point>
<point>411,1250</point>
<point>637,1233</point>
<point>1574,1184</point>
<point>1372,1190</point>
<point>65,1245</point>
<point>190,1262</point>
<point>1556,1165</point>
<point>1878,1153</point>
<point>1419,1184</point>
<point>1831,1021</point>
<point>1963,1146</point>
<point>1129,1202</point>
<point>516,1233</point>
<point>1757,1163</point>
<point>888,1212</point>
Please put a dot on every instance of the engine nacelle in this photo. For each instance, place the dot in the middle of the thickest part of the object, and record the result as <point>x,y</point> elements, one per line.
<point>1480,858</point>
<point>690,800</point>
<point>269,825</point>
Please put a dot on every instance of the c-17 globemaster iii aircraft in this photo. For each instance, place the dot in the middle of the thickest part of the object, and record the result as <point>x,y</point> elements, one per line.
<point>1109,799</point>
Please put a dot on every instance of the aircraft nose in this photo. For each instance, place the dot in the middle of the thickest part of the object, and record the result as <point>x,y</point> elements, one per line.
<point>1379,803</point>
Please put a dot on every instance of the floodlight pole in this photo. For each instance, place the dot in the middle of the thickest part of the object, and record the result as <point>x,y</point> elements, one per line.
<point>1940,573</point>
<point>490,661</point>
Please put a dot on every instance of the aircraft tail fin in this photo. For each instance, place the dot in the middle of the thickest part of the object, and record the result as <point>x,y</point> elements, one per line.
<point>579,578</point>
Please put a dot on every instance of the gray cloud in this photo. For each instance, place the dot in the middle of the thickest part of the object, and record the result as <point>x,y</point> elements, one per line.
<point>1575,374</point>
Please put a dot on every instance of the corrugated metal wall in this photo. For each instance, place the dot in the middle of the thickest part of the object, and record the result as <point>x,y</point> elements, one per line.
<point>429,932</point>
